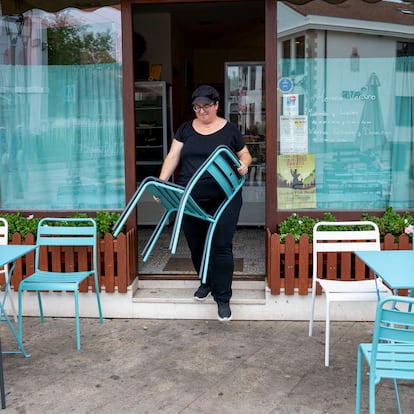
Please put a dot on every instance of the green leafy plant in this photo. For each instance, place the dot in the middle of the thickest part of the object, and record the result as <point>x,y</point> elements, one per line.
<point>298,225</point>
<point>28,224</point>
<point>390,222</point>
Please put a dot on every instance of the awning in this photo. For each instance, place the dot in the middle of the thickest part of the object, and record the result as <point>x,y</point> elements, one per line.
<point>10,7</point>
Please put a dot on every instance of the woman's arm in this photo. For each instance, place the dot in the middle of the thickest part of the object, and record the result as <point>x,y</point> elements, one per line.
<point>245,160</point>
<point>171,160</point>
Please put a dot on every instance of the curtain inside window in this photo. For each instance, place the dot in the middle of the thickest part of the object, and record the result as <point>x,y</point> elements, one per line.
<point>62,141</point>
<point>61,123</point>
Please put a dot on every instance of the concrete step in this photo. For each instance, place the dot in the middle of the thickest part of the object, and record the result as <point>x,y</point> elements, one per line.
<point>182,291</point>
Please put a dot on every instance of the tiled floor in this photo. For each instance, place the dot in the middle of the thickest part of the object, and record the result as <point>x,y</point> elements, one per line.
<point>249,244</point>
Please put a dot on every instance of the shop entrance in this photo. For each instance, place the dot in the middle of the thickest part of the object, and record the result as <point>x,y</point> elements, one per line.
<point>176,48</point>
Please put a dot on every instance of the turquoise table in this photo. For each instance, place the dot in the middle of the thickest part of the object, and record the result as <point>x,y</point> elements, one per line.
<point>394,267</point>
<point>8,256</point>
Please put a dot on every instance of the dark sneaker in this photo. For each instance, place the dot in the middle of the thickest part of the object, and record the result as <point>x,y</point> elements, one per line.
<point>202,292</point>
<point>224,311</point>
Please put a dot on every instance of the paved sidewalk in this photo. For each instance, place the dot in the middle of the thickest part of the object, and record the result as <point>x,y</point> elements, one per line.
<point>184,366</point>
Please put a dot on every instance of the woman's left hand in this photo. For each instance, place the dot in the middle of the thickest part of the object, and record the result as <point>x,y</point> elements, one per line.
<point>243,169</point>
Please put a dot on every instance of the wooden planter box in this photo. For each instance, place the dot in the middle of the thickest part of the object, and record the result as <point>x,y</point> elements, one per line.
<point>117,266</point>
<point>289,265</point>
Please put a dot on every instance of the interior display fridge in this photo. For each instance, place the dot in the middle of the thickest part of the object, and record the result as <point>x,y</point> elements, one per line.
<point>153,133</point>
<point>244,105</point>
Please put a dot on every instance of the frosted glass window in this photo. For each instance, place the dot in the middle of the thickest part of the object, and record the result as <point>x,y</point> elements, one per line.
<point>347,136</point>
<point>61,124</point>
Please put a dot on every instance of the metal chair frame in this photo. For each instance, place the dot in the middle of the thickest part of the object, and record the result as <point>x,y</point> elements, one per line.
<point>222,166</point>
<point>60,232</point>
<point>339,237</point>
<point>391,353</point>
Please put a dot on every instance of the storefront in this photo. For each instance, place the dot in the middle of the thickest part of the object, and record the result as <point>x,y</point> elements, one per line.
<point>91,97</point>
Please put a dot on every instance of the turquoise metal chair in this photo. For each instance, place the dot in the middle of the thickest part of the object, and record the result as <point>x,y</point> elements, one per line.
<point>61,232</point>
<point>222,166</point>
<point>391,353</point>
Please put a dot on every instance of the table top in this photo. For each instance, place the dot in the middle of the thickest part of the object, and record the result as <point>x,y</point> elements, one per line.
<point>11,252</point>
<point>394,267</point>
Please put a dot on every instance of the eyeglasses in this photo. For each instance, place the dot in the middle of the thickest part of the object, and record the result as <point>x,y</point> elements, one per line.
<point>198,108</point>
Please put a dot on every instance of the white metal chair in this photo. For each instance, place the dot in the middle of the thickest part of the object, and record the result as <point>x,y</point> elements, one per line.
<point>342,238</point>
<point>391,353</point>
<point>4,237</point>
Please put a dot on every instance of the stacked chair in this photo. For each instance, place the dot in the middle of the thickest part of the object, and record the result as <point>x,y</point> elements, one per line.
<point>222,166</point>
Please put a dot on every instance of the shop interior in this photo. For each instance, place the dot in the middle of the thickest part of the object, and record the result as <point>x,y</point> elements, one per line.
<point>178,46</point>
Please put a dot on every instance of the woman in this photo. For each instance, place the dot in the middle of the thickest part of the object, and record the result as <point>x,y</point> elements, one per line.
<point>194,141</point>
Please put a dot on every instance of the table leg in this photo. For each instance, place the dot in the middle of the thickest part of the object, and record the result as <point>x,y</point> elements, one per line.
<point>5,317</point>
<point>2,392</point>
<point>19,342</point>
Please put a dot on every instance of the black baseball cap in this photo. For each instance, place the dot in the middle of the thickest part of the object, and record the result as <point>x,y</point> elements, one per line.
<point>205,94</point>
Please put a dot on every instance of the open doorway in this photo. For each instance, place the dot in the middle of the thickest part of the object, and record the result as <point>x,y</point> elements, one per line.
<point>184,45</point>
<point>192,42</point>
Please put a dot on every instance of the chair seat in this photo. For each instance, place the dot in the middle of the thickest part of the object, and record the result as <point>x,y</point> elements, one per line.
<point>54,281</point>
<point>392,358</point>
<point>362,289</point>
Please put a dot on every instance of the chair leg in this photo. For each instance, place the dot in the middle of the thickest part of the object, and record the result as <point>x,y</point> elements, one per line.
<point>155,235</point>
<point>39,300</point>
<point>78,345</point>
<point>372,394</point>
<point>327,332</point>
<point>312,309</point>
<point>19,317</point>
<point>2,391</point>
<point>206,253</point>
<point>358,382</point>
<point>397,395</point>
<point>98,299</point>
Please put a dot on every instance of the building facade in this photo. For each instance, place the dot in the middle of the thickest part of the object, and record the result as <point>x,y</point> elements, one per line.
<point>334,84</point>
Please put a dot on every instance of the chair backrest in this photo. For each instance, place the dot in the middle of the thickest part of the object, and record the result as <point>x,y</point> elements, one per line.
<point>344,236</point>
<point>4,239</point>
<point>222,166</point>
<point>67,232</point>
<point>4,231</point>
<point>394,323</point>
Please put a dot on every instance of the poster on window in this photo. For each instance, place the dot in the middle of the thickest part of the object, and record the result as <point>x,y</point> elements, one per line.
<point>293,134</point>
<point>296,186</point>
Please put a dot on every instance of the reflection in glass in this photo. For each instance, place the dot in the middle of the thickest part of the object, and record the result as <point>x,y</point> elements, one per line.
<point>360,131</point>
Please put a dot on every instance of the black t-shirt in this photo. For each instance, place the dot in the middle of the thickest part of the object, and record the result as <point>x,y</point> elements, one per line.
<point>196,150</point>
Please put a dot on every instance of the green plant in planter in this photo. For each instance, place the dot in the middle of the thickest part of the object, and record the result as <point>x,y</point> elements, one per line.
<point>390,222</point>
<point>104,221</point>
<point>20,224</point>
<point>25,225</point>
<point>298,225</point>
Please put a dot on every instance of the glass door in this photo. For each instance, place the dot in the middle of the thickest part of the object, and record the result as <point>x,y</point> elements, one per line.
<point>244,106</point>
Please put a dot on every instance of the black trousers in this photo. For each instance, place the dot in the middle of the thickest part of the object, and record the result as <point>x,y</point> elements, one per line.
<point>221,265</point>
